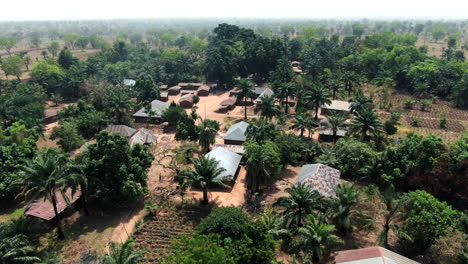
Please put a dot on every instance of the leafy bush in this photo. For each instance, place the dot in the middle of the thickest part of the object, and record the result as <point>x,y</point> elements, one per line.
<point>227,222</point>
<point>69,139</point>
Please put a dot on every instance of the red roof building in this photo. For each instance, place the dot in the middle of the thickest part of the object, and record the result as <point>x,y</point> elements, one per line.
<point>186,101</point>
<point>44,209</point>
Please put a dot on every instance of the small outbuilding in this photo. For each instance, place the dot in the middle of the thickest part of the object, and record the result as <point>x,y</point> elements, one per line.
<point>183,85</point>
<point>326,134</point>
<point>228,160</point>
<point>157,108</point>
<point>371,255</point>
<point>163,87</point>
<point>203,90</point>
<point>236,134</point>
<point>320,177</point>
<point>264,92</point>
<point>336,106</point>
<point>174,90</point>
<point>164,96</point>
<point>43,209</point>
<point>186,101</point>
<point>239,149</point>
<point>50,115</point>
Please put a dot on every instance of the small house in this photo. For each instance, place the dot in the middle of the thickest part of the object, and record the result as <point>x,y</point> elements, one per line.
<point>320,177</point>
<point>143,136</point>
<point>239,149</point>
<point>336,106</point>
<point>183,85</point>
<point>195,85</point>
<point>371,255</point>
<point>163,87</point>
<point>203,90</point>
<point>236,134</point>
<point>44,210</point>
<point>157,108</point>
<point>164,96</point>
<point>174,90</point>
<point>186,101</point>
<point>227,105</point>
<point>228,160</point>
<point>50,115</point>
<point>262,93</point>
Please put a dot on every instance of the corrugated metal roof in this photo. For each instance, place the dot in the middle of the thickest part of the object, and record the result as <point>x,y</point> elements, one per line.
<point>239,149</point>
<point>228,160</point>
<point>186,98</point>
<point>143,136</point>
<point>237,132</point>
<point>371,255</point>
<point>228,102</point>
<point>338,105</point>
<point>266,93</point>
<point>157,106</point>
<point>329,132</point>
<point>177,87</point>
<point>204,87</point>
<point>320,177</point>
<point>129,82</point>
<point>125,131</point>
<point>44,209</point>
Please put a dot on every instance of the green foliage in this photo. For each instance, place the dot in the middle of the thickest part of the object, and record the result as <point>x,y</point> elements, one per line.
<point>47,73</point>
<point>295,149</point>
<point>173,114</point>
<point>366,125</point>
<point>186,128</point>
<point>390,126</point>
<point>124,253</point>
<point>267,108</point>
<point>227,222</point>
<point>261,130</point>
<point>12,66</point>
<point>449,248</point>
<point>208,129</point>
<point>147,89</point>
<point>116,171</point>
<point>341,206</point>
<point>426,219</point>
<point>69,137</point>
<point>263,163</point>
<point>198,249</point>
<point>355,159</point>
<point>459,154</point>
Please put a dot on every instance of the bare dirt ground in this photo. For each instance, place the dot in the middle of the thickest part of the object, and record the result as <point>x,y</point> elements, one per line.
<point>434,48</point>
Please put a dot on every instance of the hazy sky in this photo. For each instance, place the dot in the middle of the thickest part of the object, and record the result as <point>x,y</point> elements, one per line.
<point>104,9</point>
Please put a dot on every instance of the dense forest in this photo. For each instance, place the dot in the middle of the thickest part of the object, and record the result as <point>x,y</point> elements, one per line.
<point>410,187</point>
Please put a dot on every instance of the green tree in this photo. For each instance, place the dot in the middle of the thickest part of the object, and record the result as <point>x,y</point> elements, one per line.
<point>49,74</point>
<point>173,114</point>
<point>314,237</point>
<point>205,173</point>
<point>263,163</point>
<point>301,202</point>
<point>119,105</point>
<point>336,122</point>
<point>82,42</point>
<point>360,103</point>
<point>341,206</point>
<point>426,219</point>
<point>47,174</point>
<point>354,158</point>
<point>366,125</point>
<point>208,129</point>
<point>267,108</point>
<point>317,96</point>
<point>245,91</point>
<point>301,123</point>
<point>261,130</point>
<point>115,170</point>
<point>7,44</point>
<point>53,48</point>
<point>70,39</point>
<point>66,59</point>
<point>124,253</point>
<point>146,88</point>
<point>70,139</point>
<point>227,222</point>
<point>17,250</point>
<point>283,92</point>
<point>393,206</point>
<point>12,66</point>
<point>438,32</point>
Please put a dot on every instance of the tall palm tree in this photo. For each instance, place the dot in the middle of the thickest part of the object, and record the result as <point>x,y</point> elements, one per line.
<point>341,206</point>
<point>301,123</point>
<point>267,108</point>
<point>392,205</point>
<point>260,167</point>
<point>261,130</point>
<point>205,173</point>
<point>119,106</point>
<point>314,237</point>
<point>335,85</point>
<point>124,253</point>
<point>350,80</point>
<point>283,92</point>
<point>300,202</point>
<point>360,103</point>
<point>246,91</point>
<point>208,130</point>
<point>366,124</point>
<point>317,96</point>
<point>47,174</point>
<point>17,250</point>
<point>335,122</point>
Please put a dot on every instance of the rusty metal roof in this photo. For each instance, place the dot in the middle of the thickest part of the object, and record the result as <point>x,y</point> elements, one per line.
<point>44,209</point>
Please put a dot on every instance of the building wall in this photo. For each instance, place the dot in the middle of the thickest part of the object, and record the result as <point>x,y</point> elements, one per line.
<point>152,120</point>
<point>233,142</point>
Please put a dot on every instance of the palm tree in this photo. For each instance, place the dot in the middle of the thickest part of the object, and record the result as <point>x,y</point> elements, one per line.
<point>261,130</point>
<point>317,97</point>
<point>124,253</point>
<point>300,202</point>
<point>335,85</point>
<point>260,167</point>
<point>206,172</point>
<point>392,205</point>
<point>301,123</point>
<point>314,237</point>
<point>283,92</point>
<point>366,124</point>
<point>246,90</point>
<point>208,130</point>
<point>341,206</point>
<point>335,122</point>
<point>267,108</point>
<point>45,175</point>
<point>17,250</point>
<point>360,103</point>
<point>350,80</point>
<point>119,106</point>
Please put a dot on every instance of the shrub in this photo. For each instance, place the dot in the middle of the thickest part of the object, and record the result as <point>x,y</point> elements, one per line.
<point>409,103</point>
<point>415,121</point>
<point>228,222</point>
